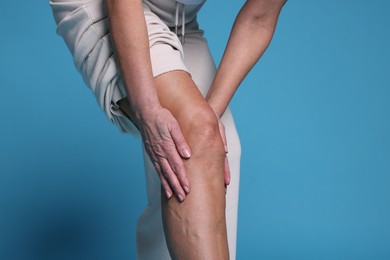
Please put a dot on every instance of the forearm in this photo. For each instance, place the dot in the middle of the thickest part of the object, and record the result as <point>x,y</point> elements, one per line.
<point>250,36</point>
<point>160,131</point>
<point>130,38</point>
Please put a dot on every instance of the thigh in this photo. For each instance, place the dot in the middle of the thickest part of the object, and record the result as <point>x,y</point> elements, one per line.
<point>179,93</point>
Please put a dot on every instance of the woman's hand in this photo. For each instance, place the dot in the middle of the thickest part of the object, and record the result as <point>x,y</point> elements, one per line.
<point>166,147</point>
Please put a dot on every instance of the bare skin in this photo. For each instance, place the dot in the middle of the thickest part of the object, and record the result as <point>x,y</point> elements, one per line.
<point>160,131</point>
<point>195,228</point>
<point>180,129</point>
<point>250,36</point>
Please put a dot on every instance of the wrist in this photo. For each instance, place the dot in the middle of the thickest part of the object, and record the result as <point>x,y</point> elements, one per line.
<point>146,109</point>
<point>218,112</point>
<point>143,102</point>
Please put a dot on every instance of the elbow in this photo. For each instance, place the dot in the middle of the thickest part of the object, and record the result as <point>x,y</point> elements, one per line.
<point>114,3</point>
<point>264,10</point>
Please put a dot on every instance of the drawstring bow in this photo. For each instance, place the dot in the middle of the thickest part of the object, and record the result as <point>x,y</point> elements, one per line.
<point>182,4</point>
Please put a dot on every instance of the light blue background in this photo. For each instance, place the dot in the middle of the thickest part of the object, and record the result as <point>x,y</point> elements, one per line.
<point>314,119</point>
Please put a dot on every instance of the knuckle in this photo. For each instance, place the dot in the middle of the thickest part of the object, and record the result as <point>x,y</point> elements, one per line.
<point>177,167</point>
<point>157,167</point>
<point>175,185</point>
<point>174,126</point>
<point>165,174</point>
<point>166,186</point>
<point>181,173</point>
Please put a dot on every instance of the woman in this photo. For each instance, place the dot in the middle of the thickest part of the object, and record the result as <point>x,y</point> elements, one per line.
<point>150,68</point>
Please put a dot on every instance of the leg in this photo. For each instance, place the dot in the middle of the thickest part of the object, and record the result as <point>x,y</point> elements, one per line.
<point>200,63</point>
<point>151,242</point>
<point>150,238</point>
<point>195,229</point>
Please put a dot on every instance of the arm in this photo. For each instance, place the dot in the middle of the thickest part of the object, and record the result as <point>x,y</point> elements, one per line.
<point>251,34</point>
<point>160,131</point>
<point>129,34</point>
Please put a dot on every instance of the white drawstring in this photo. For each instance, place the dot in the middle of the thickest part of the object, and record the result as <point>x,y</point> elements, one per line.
<point>183,24</point>
<point>183,4</point>
<point>177,16</point>
<point>183,21</point>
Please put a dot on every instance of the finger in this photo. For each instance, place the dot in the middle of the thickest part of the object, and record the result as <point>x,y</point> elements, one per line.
<point>177,165</point>
<point>223,135</point>
<point>227,171</point>
<point>172,180</point>
<point>166,187</point>
<point>180,143</point>
<point>164,182</point>
<point>179,170</point>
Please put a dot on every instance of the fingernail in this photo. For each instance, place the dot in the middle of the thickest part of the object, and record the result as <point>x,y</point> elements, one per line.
<point>187,153</point>
<point>169,195</point>
<point>186,189</point>
<point>181,198</point>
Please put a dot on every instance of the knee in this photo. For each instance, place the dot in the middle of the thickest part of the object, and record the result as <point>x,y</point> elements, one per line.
<point>208,153</point>
<point>204,132</point>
